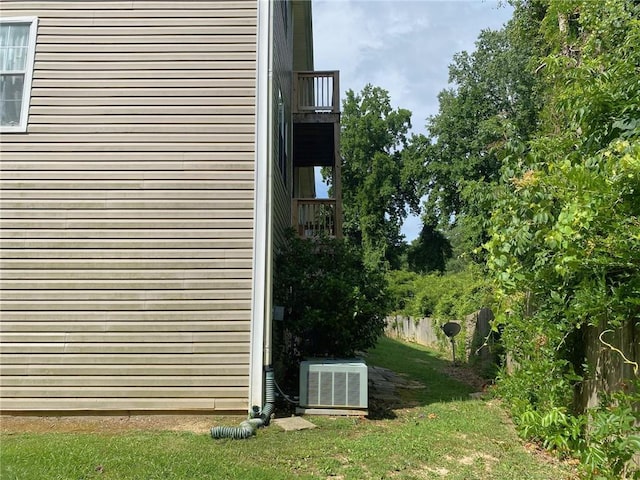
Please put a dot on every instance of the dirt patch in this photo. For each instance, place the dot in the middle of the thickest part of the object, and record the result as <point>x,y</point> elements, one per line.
<point>466,375</point>
<point>387,392</point>
<point>113,424</point>
<point>548,457</point>
<point>439,471</point>
<point>470,459</point>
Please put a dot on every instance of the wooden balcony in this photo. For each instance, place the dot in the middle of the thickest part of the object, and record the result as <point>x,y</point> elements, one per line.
<point>313,217</point>
<point>316,93</point>
<point>316,143</point>
<point>316,118</point>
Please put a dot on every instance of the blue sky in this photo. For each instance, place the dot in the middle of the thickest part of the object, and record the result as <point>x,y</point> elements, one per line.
<point>402,46</point>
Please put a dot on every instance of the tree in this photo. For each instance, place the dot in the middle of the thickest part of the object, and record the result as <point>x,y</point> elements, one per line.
<point>493,101</point>
<point>381,172</point>
<point>430,251</point>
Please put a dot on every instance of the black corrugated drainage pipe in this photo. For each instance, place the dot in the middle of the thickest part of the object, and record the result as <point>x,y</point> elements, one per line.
<point>258,418</point>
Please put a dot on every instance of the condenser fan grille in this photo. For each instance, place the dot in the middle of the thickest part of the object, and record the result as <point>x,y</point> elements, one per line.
<point>334,384</point>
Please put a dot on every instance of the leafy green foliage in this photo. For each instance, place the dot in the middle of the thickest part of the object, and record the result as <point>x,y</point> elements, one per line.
<point>567,232</point>
<point>401,289</point>
<point>613,437</point>
<point>381,172</point>
<point>430,251</point>
<point>605,439</point>
<point>555,429</point>
<point>446,297</point>
<point>334,304</point>
<point>565,228</point>
<point>442,298</point>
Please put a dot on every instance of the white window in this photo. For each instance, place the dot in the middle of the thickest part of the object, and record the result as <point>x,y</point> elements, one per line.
<point>17,52</point>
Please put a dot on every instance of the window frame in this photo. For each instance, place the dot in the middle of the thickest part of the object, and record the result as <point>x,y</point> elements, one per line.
<point>28,72</point>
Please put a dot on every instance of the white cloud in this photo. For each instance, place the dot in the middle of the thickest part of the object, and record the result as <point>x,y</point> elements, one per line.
<point>402,46</point>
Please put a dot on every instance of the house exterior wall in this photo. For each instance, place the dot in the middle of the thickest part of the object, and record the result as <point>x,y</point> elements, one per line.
<point>282,171</point>
<point>127,209</point>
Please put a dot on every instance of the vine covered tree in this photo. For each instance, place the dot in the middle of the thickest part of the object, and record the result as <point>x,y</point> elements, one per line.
<point>430,251</point>
<point>381,172</point>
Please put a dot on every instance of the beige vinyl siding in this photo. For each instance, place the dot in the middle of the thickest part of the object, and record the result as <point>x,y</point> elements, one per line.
<point>127,209</point>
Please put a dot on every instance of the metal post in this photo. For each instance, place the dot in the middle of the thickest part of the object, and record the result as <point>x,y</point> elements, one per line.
<point>453,347</point>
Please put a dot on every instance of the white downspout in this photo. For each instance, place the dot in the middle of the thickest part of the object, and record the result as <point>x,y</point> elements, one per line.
<point>262,244</point>
<point>268,245</point>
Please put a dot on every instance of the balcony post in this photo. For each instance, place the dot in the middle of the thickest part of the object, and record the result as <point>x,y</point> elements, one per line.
<point>294,216</point>
<point>336,92</point>
<point>337,179</point>
<point>295,107</point>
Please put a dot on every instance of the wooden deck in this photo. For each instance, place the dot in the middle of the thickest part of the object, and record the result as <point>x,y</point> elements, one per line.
<point>316,118</point>
<point>313,217</point>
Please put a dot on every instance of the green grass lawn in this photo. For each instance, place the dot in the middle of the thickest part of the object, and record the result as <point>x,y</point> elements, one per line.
<point>436,432</point>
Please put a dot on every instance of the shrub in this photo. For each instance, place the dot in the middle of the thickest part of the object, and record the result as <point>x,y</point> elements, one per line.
<point>334,305</point>
<point>450,296</point>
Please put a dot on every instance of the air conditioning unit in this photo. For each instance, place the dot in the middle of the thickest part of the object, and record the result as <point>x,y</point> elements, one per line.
<point>338,384</point>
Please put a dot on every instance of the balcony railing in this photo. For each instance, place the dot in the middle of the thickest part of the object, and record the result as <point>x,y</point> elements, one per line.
<point>314,217</point>
<point>316,92</point>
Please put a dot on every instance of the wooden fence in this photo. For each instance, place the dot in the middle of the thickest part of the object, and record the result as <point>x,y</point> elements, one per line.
<point>473,343</point>
<point>612,354</point>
